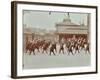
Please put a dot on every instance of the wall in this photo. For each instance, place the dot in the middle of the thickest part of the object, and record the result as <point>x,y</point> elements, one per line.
<point>5,40</point>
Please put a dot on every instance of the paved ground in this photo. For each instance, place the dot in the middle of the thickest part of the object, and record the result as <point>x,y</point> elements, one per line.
<point>60,60</point>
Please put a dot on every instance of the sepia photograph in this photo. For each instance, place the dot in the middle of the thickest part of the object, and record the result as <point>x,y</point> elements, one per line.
<point>56,39</point>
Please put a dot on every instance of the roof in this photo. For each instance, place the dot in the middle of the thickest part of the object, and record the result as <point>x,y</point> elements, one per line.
<point>67,22</point>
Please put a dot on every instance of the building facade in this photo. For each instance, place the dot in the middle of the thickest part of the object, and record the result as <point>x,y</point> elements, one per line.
<point>68,29</point>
